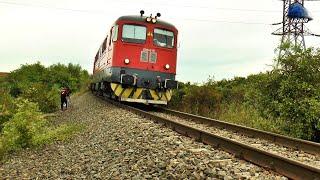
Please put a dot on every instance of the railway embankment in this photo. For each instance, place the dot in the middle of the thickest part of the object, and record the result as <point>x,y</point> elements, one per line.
<point>119,144</point>
<point>281,150</point>
<point>3,74</point>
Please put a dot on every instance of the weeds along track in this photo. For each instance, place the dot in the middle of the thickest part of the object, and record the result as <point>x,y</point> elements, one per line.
<point>258,151</point>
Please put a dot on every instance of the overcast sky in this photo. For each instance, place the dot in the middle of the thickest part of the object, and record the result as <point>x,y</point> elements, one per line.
<point>220,38</point>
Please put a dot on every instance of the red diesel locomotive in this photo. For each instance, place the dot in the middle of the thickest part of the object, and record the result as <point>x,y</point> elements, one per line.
<point>137,61</point>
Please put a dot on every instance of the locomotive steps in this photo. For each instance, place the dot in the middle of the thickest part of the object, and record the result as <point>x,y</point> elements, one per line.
<point>119,144</point>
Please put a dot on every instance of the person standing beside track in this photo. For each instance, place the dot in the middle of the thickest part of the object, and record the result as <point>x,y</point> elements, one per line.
<point>63,96</point>
<point>68,96</point>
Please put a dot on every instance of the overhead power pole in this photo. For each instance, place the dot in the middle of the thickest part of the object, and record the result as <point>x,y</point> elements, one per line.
<point>293,29</point>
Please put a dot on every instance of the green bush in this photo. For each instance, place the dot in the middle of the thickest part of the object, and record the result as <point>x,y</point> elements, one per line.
<point>247,115</point>
<point>28,92</point>
<point>42,85</point>
<point>47,98</point>
<point>291,92</point>
<point>71,75</point>
<point>7,107</point>
<point>20,131</point>
<point>285,100</point>
<point>29,128</point>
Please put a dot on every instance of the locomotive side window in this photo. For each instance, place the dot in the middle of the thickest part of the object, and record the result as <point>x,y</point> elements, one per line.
<point>97,56</point>
<point>104,44</point>
<point>100,52</point>
<point>134,34</point>
<point>163,38</point>
<point>115,33</point>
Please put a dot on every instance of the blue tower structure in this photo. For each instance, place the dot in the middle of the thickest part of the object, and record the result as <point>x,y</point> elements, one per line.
<point>293,29</point>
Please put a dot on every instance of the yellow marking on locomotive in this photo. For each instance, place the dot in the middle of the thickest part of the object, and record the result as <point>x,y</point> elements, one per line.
<point>126,92</point>
<point>136,92</point>
<point>161,95</point>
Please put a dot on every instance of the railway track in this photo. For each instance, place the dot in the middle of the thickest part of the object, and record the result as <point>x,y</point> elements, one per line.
<point>294,154</point>
<point>283,165</point>
<point>296,144</point>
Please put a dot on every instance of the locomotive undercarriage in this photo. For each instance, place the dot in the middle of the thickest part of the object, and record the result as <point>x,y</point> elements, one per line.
<point>127,93</point>
<point>131,85</point>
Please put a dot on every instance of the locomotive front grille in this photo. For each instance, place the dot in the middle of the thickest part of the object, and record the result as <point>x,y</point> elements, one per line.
<point>144,55</point>
<point>148,55</point>
<point>153,57</point>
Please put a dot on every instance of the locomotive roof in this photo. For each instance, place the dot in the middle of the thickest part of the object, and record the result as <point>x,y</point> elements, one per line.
<point>143,19</point>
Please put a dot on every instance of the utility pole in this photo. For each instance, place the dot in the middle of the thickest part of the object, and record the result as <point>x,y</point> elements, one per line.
<point>293,29</point>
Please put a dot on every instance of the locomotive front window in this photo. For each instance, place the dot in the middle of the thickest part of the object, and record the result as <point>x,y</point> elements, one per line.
<point>163,38</point>
<point>134,34</point>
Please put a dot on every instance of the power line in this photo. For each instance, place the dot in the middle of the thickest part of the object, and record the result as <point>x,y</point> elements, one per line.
<point>48,7</point>
<point>97,11</point>
<point>105,12</point>
<point>205,7</point>
<point>93,11</point>
<point>225,21</point>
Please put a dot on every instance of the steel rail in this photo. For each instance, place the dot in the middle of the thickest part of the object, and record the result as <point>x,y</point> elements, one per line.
<point>306,146</point>
<point>287,167</point>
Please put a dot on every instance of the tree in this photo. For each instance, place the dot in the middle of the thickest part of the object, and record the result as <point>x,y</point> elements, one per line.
<point>292,92</point>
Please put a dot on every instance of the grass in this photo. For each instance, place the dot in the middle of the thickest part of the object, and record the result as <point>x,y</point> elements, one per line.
<point>47,135</point>
<point>61,133</point>
<point>244,115</point>
<point>248,116</point>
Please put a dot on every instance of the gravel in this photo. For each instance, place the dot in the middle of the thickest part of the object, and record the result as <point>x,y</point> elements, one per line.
<point>298,155</point>
<point>117,144</point>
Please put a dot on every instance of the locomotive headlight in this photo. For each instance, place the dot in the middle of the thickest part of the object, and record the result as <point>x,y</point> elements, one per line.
<point>126,61</point>
<point>149,19</point>
<point>154,20</point>
<point>167,66</point>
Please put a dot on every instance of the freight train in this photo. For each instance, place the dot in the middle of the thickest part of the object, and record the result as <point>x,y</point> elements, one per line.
<point>137,61</point>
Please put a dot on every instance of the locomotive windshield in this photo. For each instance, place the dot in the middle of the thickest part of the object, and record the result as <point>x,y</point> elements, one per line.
<point>163,38</point>
<point>134,34</point>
